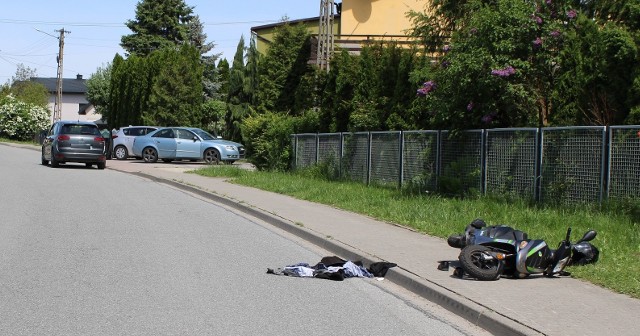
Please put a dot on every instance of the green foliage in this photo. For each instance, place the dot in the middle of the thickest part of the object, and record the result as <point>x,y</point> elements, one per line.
<point>338,91</point>
<point>601,65</point>
<point>268,140</point>
<point>237,101</point>
<point>282,69</point>
<point>30,93</point>
<point>158,24</point>
<point>267,137</point>
<point>21,120</point>
<point>98,89</point>
<point>163,89</point>
<point>212,114</point>
<point>510,63</point>
<point>176,93</point>
<point>371,91</point>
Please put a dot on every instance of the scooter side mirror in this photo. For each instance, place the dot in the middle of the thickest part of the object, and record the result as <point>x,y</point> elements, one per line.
<point>588,236</point>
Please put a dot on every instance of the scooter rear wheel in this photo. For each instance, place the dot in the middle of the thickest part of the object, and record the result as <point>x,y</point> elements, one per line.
<point>475,261</point>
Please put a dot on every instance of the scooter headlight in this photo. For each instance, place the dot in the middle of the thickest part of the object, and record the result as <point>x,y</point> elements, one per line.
<point>560,265</point>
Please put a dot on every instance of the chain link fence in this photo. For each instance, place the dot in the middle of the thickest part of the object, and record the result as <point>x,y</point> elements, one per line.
<point>560,165</point>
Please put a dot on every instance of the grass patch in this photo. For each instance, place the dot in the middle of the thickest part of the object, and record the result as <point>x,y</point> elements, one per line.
<point>618,232</point>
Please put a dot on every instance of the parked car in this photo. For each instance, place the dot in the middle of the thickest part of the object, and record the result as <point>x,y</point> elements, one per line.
<point>74,141</point>
<point>186,143</point>
<point>123,140</point>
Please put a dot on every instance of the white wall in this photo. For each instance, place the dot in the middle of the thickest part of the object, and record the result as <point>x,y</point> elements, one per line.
<point>71,106</point>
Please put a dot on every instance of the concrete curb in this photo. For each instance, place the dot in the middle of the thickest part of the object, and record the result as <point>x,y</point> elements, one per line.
<point>474,312</point>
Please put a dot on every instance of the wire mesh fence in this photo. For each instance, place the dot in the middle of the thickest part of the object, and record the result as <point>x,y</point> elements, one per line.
<point>624,162</point>
<point>572,164</point>
<point>510,167</point>
<point>420,160</point>
<point>561,165</point>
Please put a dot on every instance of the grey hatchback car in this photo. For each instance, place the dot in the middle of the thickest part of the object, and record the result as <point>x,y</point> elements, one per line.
<point>74,141</point>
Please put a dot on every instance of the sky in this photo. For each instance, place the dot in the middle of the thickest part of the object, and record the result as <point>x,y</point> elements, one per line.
<point>29,30</point>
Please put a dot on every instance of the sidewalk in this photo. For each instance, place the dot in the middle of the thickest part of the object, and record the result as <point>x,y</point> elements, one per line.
<point>531,306</point>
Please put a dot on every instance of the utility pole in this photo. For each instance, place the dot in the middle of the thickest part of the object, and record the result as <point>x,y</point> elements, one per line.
<point>57,108</point>
<point>325,34</point>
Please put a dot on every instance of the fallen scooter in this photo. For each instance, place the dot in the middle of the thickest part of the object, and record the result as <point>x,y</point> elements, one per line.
<point>489,252</point>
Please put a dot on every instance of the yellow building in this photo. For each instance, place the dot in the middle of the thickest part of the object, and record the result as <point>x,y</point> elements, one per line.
<point>377,17</point>
<point>355,22</point>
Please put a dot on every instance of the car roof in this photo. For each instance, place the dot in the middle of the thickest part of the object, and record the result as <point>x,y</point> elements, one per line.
<point>130,126</point>
<point>78,122</point>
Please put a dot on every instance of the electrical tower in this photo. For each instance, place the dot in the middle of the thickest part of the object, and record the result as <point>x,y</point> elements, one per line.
<point>57,108</point>
<point>325,34</point>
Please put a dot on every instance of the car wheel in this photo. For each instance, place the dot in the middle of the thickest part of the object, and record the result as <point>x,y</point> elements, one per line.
<point>121,153</point>
<point>54,162</point>
<point>150,155</point>
<point>88,165</point>
<point>102,165</point>
<point>43,160</point>
<point>212,156</point>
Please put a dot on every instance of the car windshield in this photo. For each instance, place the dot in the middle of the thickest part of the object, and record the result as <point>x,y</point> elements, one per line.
<point>204,135</point>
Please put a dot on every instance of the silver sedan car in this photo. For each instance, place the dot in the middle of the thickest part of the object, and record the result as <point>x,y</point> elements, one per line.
<point>186,143</point>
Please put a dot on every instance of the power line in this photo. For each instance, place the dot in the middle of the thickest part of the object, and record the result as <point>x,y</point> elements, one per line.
<point>117,25</point>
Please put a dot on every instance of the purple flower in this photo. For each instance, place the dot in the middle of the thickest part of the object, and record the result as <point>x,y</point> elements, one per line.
<point>548,2</point>
<point>487,118</point>
<point>445,64</point>
<point>506,72</point>
<point>572,14</point>
<point>473,30</point>
<point>470,106</point>
<point>446,48</point>
<point>538,20</point>
<point>555,33</point>
<point>537,43</point>
<point>426,88</point>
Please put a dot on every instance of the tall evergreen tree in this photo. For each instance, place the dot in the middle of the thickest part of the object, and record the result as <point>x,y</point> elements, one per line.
<point>176,95</point>
<point>197,37</point>
<point>251,79</point>
<point>237,102</point>
<point>282,68</point>
<point>223,77</point>
<point>158,24</point>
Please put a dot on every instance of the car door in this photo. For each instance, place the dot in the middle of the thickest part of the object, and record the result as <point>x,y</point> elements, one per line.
<point>130,134</point>
<point>186,146</point>
<point>166,143</point>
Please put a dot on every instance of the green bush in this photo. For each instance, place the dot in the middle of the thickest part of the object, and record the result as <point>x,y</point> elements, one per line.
<point>267,137</point>
<point>20,120</point>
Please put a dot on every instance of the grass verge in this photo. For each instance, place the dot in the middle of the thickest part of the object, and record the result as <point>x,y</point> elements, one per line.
<point>618,234</point>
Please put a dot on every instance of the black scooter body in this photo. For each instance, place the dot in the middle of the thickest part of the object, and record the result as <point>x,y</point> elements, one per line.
<point>508,252</point>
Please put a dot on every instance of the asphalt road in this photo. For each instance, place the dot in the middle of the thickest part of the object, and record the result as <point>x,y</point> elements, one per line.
<point>99,252</point>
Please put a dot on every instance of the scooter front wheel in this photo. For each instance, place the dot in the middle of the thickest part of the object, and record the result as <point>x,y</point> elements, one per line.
<point>478,263</point>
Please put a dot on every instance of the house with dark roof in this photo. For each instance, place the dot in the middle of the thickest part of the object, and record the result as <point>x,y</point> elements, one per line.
<point>73,99</point>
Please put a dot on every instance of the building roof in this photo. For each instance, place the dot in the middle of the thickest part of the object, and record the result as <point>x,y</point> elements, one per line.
<point>69,85</point>
<point>273,25</point>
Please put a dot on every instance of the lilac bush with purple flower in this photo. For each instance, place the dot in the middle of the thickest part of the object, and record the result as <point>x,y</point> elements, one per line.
<point>505,72</point>
<point>427,87</point>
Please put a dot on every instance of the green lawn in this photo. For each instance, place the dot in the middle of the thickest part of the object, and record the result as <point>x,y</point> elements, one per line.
<point>618,233</point>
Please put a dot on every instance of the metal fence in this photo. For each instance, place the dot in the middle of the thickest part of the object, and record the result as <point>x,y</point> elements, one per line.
<point>565,165</point>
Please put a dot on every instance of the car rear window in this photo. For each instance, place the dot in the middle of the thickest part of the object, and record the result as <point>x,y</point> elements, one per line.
<point>80,129</point>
